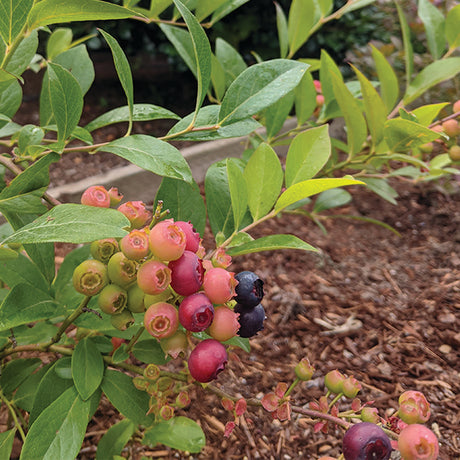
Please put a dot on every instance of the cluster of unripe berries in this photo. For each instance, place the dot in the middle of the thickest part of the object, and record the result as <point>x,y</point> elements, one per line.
<point>451,129</point>
<point>368,440</point>
<point>159,270</point>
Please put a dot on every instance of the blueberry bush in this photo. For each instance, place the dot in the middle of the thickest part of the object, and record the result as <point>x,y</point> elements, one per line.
<point>141,312</point>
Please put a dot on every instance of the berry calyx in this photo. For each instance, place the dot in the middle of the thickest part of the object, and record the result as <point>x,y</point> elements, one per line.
<point>251,320</point>
<point>167,240</point>
<point>207,360</point>
<point>186,273</point>
<point>219,285</point>
<point>161,320</point>
<point>97,196</point>
<point>417,442</point>
<point>366,441</point>
<point>90,277</point>
<point>225,324</point>
<point>249,290</point>
<point>196,312</point>
<point>153,277</point>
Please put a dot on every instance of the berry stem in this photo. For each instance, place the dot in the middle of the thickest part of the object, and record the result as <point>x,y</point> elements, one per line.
<point>134,339</point>
<point>13,414</point>
<point>293,385</point>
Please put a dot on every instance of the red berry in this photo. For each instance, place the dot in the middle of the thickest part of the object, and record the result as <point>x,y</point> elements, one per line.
<point>196,312</point>
<point>225,324</point>
<point>153,277</point>
<point>417,442</point>
<point>90,277</point>
<point>136,213</point>
<point>207,360</point>
<point>186,273</point>
<point>192,237</point>
<point>135,245</point>
<point>167,240</point>
<point>219,285</point>
<point>161,320</point>
<point>97,196</point>
<point>366,441</point>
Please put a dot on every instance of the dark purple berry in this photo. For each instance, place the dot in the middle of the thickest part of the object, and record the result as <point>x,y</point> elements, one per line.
<point>366,441</point>
<point>251,319</point>
<point>249,290</point>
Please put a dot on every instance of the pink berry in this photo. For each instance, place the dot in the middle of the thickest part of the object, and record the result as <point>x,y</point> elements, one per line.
<point>192,237</point>
<point>136,213</point>
<point>97,196</point>
<point>161,320</point>
<point>135,245</point>
<point>153,277</point>
<point>451,127</point>
<point>207,360</point>
<point>413,407</point>
<point>417,442</point>
<point>225,324</point>
<point>456,107</point>
<point>219,285</point>
<point>167,240</point>
<point>186,273</point>
<point>196,312</point>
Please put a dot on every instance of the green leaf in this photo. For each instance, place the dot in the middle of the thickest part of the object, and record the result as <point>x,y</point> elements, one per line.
<point>374,108</point>
<point>179,433</point>
<point>308,153</point>
<point>151,154</point>
<point>182,41</point>
<point>239,342</point>
<point>72,223</point>
<point>434,23</point>
<point>264,178</point>
<point>231,61</point>
<point>332,198</point>
<point>21,270</point>
<point>431,75</point>
<point>402,135</point>
<point>6,443</point>
<point>389,86</point>
<point>202,52</point>
<point>310,187</point>
<point>24,53</point>
<point>184,202</point>
<point>328,68</point>
<point>351,111</point>
<point>10,101</point>
<point>13,17</point>
<point>25,394</point>
<point>238,192</point>
<point>305,99</point>
<point>381,188</point>
<point>115,439</point>
<point>48,12</point>
<point>16,372</point>
<point>123,72</point>
<point>36,333</point>
<point>271,243</point>
<point>225,9</point>
<point>451,27</point>
<point>66,100</point>
<point>58,42</point>
<point>49,389</point>
<point>35,306</point>
<point>282,28</point>
<point>126,398</point>
<point>141,112</point>
<point>206,7</point>
<point>59,430</point>
<point>207,117</point>
<point>408,51</point>
<point>275,116</point>
<point>303,16</point>
<point>87,368</point>
<point>427,113</point>
<point>258,87</point>
<point>149,352</point>
<point>217,78</point>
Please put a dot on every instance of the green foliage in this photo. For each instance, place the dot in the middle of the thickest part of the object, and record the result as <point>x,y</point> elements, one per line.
<point>384,136</point>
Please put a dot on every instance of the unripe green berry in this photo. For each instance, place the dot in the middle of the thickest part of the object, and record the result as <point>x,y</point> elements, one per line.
<point>350,387</point>
<point>174,345</point>
<point>454,153</point>
<point>121,270</point>
<point>123,320</point>
<point>104,249</point>
<point>334,381</point>
<point>90,277</point>
<point>370,414</point>
<point>112,299</point>
<point>304,370</point>
<point>135,299</point>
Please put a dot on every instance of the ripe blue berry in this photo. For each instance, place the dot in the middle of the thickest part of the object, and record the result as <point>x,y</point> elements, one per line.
<point>366,441</point>
<point>249,290</point>
<point>251,319</point>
